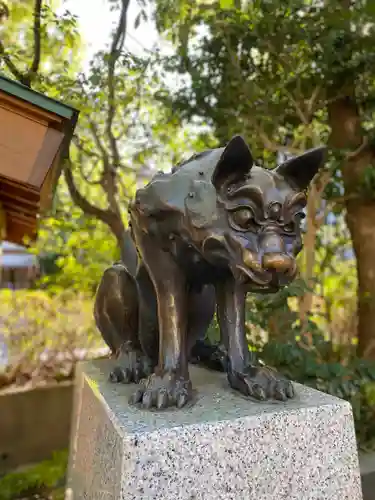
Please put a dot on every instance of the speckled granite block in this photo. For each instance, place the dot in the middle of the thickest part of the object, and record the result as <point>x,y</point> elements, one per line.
<point>223,447</point>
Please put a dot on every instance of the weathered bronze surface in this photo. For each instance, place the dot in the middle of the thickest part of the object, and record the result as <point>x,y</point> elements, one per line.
<point>207,233</point>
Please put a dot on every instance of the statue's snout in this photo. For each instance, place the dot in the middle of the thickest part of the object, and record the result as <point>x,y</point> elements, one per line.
<point>278,262</point>
<point>275,258</point>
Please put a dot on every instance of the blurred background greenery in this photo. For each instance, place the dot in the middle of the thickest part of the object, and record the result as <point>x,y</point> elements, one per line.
<point>288,76</point>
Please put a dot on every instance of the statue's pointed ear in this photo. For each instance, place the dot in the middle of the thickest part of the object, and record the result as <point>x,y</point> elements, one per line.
<point>235,161</point>
<point>300,171</point>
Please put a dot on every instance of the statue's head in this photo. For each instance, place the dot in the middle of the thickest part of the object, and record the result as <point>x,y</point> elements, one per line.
<point>257,233</point>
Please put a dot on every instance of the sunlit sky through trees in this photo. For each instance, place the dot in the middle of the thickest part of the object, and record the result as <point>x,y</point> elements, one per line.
<point>96,22</point>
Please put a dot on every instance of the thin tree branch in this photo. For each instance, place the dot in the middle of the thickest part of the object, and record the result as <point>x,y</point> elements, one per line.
<point>267,142</point>
<point>116,49</point>
<point>87,178</point>
<point>297,108</point>
<point>37,40</point>
<point>311,102</point>
<point>105,216</point>
<point>27,78</point>
<point>110,187</point>
<point>276,148</point>
<point>9,64</point>
<point>108,177</point>
<point>99,144</point>
<point>79,145</point>
<point>97,140</point>
<point>4,12</point>
<point>94,156</point>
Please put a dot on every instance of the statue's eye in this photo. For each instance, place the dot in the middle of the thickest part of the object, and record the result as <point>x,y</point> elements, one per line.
<point>290,227</point>
<point>242,217</point>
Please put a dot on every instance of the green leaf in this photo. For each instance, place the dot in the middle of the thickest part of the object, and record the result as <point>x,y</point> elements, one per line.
<point>226,4</point>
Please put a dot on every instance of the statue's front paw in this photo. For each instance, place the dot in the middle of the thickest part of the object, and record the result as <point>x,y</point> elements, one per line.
<point>132,366</point>
<point>262,383</point>
<point>163,391</point>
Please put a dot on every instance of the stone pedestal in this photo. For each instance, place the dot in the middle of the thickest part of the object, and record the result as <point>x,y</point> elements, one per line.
<point>222,447</point>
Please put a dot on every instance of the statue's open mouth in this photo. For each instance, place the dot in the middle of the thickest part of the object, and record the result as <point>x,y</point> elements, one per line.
<point>262,280</point>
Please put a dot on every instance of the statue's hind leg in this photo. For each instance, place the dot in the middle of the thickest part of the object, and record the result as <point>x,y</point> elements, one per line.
<point>116,315</point>
<point>148,325</point>
<point>202,351</point>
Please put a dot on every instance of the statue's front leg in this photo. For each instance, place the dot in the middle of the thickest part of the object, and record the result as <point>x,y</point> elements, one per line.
<point>244,372</point>
<point>170,384</point>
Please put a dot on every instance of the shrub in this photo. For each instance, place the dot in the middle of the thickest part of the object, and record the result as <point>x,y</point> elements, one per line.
<point>45,335</point>
<point>40,480</point>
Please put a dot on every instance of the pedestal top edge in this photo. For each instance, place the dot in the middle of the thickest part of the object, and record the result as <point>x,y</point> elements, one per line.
<point>214,401</point>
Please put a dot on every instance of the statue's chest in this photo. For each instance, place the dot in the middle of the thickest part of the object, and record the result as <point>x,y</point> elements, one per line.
<point>197,269</point>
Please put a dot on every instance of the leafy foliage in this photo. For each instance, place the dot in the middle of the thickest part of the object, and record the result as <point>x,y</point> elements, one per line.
<point>74,250</point>
<point>45,335</point>
<point>289,75</point>
<point>39,42</point>
<point>266,66</point>
<point>40,479</point>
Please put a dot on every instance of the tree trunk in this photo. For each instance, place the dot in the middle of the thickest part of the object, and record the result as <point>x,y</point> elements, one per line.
<point>346,133</point>
<point>360,220</point>
<point>309,242</point>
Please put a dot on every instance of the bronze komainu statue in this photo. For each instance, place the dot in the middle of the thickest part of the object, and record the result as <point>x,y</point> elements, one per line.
<point>203,236</point>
